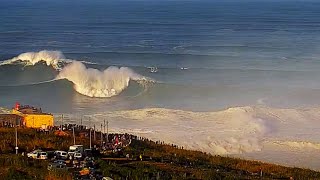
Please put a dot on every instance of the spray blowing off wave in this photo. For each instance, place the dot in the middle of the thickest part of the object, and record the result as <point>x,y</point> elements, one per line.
<point>95,83</point>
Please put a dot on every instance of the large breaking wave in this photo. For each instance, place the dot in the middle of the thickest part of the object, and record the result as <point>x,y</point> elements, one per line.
<point>95,83</point>
<point>51,58</point>
<point>87,81</point>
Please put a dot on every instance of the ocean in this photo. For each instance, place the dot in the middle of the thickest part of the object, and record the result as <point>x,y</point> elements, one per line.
<point>236,78</point>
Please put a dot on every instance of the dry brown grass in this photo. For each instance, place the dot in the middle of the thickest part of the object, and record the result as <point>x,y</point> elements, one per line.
<point>29,139</point>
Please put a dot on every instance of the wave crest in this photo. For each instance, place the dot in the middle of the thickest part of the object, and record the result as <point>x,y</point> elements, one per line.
<point>51,58</point>
<point>95,83</point>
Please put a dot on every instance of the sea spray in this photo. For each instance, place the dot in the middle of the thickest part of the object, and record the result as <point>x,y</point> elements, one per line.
<point>96,83</point>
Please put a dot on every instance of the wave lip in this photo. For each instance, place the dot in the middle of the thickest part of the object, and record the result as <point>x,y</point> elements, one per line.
<point>95,83</point>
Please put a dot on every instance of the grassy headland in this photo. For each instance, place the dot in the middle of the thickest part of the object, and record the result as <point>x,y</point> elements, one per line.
<point>160,161</point>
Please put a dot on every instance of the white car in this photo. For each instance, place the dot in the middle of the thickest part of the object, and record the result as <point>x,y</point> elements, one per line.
<point>77,155</point>
<point>43,155</point>
<point>34,154</point>
<point>75,148</point>
<point>61,154</point>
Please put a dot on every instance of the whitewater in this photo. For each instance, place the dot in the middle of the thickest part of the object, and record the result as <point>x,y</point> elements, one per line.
<point>282,136</point>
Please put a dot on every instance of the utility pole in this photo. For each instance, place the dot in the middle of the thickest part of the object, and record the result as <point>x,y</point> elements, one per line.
<point>89,122</point>
<point>94,132</point>
<point>101,138</point>
<point>74,137</point>
<point>104,126</point>
<point>107,131</point>
<point>90,132</point>
<point>16,129</point>
<point>61,121</point>
<point>90,139</point>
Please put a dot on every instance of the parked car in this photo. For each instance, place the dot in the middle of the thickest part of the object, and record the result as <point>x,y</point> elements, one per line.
<point>75,148</point>
<point>61,154</point>
<point>77,155</point>
<point>34,154</point>
<point>43,155</point>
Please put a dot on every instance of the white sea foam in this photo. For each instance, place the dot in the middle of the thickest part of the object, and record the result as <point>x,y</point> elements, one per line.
<point>298,144</point>
<point>51,58</point>
<point>232,131</point>
<point>95,83</point>
<point>238,130</point>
